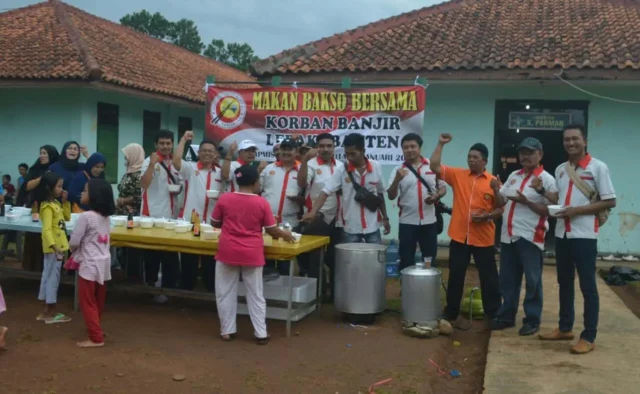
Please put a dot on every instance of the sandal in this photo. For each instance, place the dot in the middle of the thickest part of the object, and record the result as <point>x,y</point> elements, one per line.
<point>41,317</point>
<point>89,344</point>
<point>59,318</point>
<point>228,337</point>
<point>263,341</point>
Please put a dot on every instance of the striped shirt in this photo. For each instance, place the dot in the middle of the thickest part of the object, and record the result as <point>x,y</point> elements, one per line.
<point>90,244</point>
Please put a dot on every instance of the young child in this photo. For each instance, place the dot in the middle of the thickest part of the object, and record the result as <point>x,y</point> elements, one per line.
<point>3,330</point>
<point>53,216</point>
<point>90,246</point>
<point>242,215</point>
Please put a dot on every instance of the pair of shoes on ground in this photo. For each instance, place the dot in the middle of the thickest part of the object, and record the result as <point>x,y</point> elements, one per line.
<point>581,347</point>
<point>259,341</point>
<point>525,330</point>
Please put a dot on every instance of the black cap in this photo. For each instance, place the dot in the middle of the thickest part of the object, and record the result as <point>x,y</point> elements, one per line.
<point>530,143</point>
<point>288,144</point>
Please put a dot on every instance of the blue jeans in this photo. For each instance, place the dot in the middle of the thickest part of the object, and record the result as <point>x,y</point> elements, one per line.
<point>371,238</point>
<point>571,255</point>
<point>410,235</point>
<point>517,258</point>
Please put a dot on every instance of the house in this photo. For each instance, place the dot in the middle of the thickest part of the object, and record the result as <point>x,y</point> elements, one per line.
<point>68,75</point>
<point>500,71</point>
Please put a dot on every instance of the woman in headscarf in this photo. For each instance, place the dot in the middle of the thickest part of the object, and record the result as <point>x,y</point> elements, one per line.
<point>93,168</point>
<point>68,166</point>
<point>32,258</point>
<point>129,200</point>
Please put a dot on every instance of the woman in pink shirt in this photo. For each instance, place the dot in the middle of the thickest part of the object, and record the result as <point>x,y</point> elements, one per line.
<point>242,215</point>
<point>90,245</point>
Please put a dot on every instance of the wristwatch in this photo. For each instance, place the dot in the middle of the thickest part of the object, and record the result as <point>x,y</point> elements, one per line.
<point>541,191</point>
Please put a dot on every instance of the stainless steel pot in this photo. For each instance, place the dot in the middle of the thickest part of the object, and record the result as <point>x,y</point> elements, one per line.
<point>360,278</point>
<point>421,293</point>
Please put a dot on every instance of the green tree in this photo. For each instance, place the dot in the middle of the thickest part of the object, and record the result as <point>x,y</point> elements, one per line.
<point>184,33</point>
<point>234,54</point>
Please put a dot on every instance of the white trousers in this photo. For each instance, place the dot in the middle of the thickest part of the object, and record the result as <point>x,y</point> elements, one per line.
<point>227,279</point>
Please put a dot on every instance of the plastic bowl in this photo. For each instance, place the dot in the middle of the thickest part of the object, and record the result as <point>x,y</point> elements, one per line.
<point>210,235</point>
<point>297,236</point>
<point>159,222</point>
<point>511,192</point>
<point>119,221</point>
<point>213,193</point>
<point>206,227</point>
<point>183,228</point>
<point>146,223</point>
<point>554,210</point>
<point>169,225</point>
<point>174,188</point>
<point>136,221</point>
<point>12,218</point>
<point>21,211</point>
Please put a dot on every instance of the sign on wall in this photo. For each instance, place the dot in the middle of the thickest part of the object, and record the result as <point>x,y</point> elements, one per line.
<point>269,115</point>
<point>539,121</point>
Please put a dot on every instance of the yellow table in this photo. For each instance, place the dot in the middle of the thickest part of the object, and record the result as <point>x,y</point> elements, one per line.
<point>170,241</point>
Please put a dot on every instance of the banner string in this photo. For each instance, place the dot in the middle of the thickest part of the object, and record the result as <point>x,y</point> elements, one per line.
<point>321,83</point>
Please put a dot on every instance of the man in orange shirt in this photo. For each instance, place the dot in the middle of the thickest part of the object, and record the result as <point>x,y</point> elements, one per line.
<point>471,229</point>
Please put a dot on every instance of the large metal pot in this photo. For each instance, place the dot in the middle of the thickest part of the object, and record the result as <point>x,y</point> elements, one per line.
<point>360,278</point>
<point>421,294</point>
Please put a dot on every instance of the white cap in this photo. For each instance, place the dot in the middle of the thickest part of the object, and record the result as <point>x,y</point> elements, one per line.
<point>246,144</point>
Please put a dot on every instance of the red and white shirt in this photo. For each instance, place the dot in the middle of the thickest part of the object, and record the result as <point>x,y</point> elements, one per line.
<point>319,173</point>
<point>518,220</point>
<point>233,184</point>
<point>596,174</point>
<point>197,182</point>
<point>276,184</point>
<point>357,218</point>
<point>157,202</point>
<point>411,194</point>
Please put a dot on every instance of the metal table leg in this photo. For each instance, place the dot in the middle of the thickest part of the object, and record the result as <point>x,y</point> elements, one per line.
<point>320,279</point>
<point>290,298</point>
<point>75,293</point>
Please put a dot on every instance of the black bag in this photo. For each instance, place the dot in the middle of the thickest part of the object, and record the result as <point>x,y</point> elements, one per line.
<point>439,206</point>
<point>365,197</point>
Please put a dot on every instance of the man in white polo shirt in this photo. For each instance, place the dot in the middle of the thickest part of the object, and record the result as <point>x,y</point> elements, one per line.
<point>577,233</point>
<point>317,168</point>
<point>279,186</point>
<point>524,225</point>
<point>158,173</point>
<point>247,151</point>
<point>361,219</point>
<point>416,203</point>
<point>199,177</point>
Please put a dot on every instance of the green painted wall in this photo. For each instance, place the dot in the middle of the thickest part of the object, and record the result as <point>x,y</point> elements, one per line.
<point>32,117</point>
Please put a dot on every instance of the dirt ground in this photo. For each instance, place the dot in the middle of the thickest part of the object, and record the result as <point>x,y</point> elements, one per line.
<point>148,344</point>
<point>630,295</point>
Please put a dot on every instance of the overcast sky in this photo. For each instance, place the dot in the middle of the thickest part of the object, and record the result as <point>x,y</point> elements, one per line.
<point>269,26</point>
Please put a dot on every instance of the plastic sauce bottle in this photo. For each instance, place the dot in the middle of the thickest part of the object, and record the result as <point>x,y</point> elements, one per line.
<point>130,221</point>
<point>35,212</point>
<point>196,226</point>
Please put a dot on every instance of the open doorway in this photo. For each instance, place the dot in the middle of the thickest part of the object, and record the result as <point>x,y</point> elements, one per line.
<point>516,120</point>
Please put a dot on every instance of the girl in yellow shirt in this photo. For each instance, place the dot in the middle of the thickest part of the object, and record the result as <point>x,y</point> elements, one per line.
<point>53,216</point>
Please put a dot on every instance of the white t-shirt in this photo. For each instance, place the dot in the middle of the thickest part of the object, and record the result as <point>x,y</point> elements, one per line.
<point>276,184</point>
<point>518,220</point>
<point>357,218</point>
<point>157,202</point>
<point>596,174</point>
<point>197,182</point>
<point>411,194</point>
<point>318,174</point>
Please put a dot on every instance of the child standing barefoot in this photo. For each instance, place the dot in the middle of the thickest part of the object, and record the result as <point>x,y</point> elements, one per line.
<point>54,244</point>
<point>90,246</point>
<point>3,330</point>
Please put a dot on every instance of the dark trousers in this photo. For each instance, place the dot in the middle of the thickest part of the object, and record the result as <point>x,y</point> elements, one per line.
<point>281,266</point>
<point>580,255</point>
<point>132,258</point>
<point>459,259</point>
<point>170,268</point>
<point>310,262</point>
<point>517,258</point>
<point>189,271</point>
<point>410,235</point>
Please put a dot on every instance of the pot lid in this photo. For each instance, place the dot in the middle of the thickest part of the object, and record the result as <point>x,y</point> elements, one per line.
<point>361,247</point>
<point>420,271</point>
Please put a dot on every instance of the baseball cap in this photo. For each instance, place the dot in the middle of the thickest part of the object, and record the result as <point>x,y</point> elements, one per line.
<point>246,144</point>
<point>530,143</point>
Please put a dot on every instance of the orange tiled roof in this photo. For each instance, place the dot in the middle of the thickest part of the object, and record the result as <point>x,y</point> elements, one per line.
<point>479,35</point>
<point>53,40</point>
